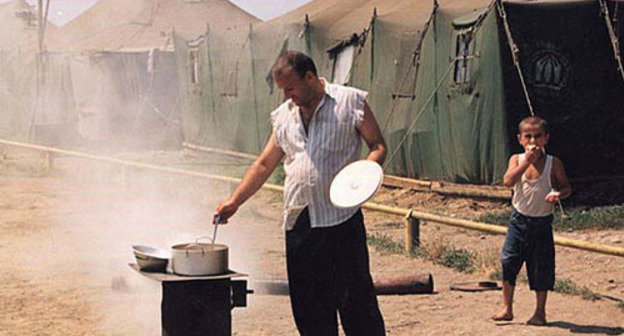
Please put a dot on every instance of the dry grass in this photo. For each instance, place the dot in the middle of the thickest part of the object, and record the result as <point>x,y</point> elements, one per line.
<point>440,252</point>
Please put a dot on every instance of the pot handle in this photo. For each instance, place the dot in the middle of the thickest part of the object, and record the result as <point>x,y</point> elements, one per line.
<point>201,237</point>
<point>197,243</point>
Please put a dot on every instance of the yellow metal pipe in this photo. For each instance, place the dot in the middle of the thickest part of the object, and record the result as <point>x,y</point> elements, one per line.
<point>219,151</point>
<point>495,229</point>
<point>133,163</point>
<point>463,223</point>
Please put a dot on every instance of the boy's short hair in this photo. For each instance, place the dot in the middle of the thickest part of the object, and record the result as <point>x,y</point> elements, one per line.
<point>533,121</point>
<point>298,61</point>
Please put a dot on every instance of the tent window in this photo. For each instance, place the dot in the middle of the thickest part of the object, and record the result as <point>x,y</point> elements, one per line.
<point>463,53</point>
<point>194,65</point>
<point>342,65</point>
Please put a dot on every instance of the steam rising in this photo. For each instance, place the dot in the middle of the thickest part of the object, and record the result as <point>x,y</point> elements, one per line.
<point>68,224</point>
<point>77,223</point>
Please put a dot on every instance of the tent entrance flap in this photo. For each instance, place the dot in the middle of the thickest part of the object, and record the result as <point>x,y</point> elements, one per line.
<point>342,55</point>
<point>342,65</point>
<point>573,82</point>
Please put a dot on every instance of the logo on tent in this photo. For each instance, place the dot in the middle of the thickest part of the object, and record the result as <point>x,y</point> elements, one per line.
<point>548,72</point>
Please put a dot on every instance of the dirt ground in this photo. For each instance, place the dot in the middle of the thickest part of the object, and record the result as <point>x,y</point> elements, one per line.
<point>65,239</point>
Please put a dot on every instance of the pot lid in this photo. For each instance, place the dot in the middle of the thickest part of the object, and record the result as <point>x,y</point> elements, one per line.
<point>355,184</point>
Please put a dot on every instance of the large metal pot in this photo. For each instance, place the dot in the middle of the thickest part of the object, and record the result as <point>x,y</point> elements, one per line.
<point>199,259</point>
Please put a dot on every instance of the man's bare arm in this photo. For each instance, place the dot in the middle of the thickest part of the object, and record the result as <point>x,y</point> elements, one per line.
<point>371,133</point>
<point>254,178</point>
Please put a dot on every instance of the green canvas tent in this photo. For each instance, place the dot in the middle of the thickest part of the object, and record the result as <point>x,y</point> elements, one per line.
<point>441,78</point>
<point>573,80</point>
<point>124,77</point>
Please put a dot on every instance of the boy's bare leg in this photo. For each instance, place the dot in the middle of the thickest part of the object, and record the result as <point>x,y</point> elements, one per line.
<point>507,313</point>
<point>539,317</point>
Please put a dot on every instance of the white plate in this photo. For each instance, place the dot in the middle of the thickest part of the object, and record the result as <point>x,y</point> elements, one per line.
<point>355,184</point>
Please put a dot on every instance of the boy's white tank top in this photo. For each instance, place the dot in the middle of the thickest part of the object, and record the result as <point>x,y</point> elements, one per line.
<point>529,195</point>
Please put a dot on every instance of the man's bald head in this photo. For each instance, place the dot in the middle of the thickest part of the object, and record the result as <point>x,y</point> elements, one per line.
<point>296,61</point>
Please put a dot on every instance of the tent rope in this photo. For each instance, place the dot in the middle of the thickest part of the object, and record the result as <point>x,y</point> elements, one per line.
<point>416,60</point>
<point>361,42</point>
<point>614,39</point>
<point>253,87</point>
<point>420,112</point>
<point>514,54</point>
<point>415,63</point>
<point>615,19</point>
<point>395,99</point>
<point>450,66</point>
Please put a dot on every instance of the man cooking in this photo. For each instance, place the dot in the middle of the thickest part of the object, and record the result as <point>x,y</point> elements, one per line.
<point>318,130</point>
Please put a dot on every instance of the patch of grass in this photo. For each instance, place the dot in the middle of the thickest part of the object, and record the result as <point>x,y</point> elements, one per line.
<point>393,225</point>
<point>439,210</point>
<point>419,252</point>
<point>605,217</point>
<point>458,259</point>
<point>567,286</point>
<point>447,255</point>
<point>385,244</point>
<point>498,218</point>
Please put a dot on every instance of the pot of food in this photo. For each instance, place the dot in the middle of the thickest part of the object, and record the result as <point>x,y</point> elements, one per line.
<point>199,258</point>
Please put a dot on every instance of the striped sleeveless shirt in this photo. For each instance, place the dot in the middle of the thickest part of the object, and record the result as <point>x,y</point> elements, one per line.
<point>312,159</point>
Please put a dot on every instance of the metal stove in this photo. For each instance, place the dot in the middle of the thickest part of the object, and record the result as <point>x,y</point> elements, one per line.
<point>199,305</point>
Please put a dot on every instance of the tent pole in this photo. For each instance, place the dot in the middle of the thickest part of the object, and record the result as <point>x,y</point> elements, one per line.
<point>39,61</point>
<point>41,24</point>
<point>514,53</point>
<point>255,94</point>
<point>211,73</point>
<point>372,32</point>
<point>614,38</point>
<point>308,40</point>
<point>416,59</point>
<point>415,64</point>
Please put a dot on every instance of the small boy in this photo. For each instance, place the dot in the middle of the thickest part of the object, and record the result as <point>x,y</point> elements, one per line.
<point>539,182</point>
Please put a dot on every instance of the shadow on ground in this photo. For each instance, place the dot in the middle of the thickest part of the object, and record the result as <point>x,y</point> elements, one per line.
<point>586,329</point>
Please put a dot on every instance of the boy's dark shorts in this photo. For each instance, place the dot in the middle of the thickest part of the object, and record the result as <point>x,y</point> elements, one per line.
<point>530,240</point>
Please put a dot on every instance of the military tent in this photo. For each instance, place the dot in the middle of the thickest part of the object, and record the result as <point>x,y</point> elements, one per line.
<point>123,73</point>
<point>442,79</point>
<point>567,56</point>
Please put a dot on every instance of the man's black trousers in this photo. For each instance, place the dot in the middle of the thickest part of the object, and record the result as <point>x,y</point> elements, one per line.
<point>328,273</point>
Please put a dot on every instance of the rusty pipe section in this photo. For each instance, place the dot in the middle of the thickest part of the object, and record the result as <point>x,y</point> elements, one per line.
<point>407,284</point>
<point>463,223</point>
